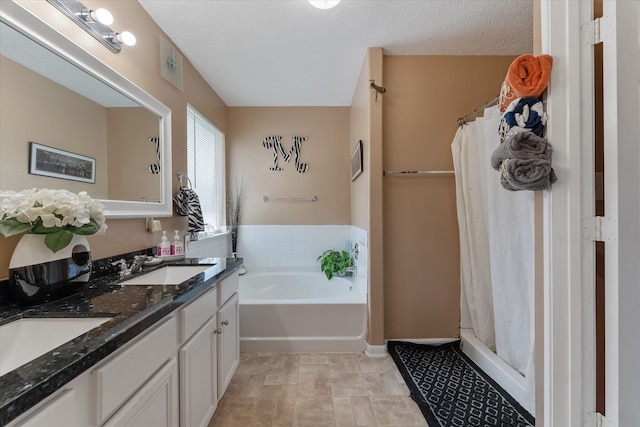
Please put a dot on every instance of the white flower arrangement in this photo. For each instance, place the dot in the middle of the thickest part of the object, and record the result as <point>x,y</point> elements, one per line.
<point>57,213</point>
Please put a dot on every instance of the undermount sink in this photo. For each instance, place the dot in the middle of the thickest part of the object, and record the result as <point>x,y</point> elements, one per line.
<point>23,340</point>
<point>170,275</point>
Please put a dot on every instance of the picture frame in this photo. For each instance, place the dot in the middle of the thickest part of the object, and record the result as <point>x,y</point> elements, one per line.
<point>55,163</point>
<point>356,161</point>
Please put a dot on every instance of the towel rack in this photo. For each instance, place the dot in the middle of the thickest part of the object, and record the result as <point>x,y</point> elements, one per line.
<point>289,199</point>
<point>418,172</point>
<point>181,175</point>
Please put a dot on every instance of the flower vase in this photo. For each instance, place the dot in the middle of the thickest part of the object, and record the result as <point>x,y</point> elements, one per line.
<point>36,273</point>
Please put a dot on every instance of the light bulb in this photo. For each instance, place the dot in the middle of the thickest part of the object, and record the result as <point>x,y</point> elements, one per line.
<point>324,4</point>
<point>100,15</point>
<point>126,38</point>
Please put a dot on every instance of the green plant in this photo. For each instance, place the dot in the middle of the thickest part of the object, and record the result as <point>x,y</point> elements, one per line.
<point>332,262</point>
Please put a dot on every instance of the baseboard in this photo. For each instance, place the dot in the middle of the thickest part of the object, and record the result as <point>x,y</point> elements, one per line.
<point>428,341</point>
<point>374,351</point>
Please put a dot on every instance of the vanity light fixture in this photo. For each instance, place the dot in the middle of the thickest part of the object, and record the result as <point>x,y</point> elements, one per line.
<point>95,22</point>
<point>324,4</point>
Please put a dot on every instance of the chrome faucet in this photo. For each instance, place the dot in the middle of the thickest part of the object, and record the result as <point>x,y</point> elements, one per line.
<point>136,265</point>
<point>353,270</point>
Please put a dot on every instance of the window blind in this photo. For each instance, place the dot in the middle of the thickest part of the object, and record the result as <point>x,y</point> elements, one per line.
<point>206,166</point>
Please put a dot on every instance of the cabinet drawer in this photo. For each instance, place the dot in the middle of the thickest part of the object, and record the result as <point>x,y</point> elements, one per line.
<point>198,313</point>
<point>228,287</point>
<point>121,376</point>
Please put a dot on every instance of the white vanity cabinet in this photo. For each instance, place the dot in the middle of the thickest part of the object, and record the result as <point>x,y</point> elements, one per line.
<point>172,375</point>
<point>197,357</point>
<point>211,351</point>
<point>155,404</point>
<point>228,342</point>
<point>140,381</point>
<point>69,407</point>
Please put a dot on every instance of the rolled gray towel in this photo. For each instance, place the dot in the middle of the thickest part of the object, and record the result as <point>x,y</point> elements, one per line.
<point>521,146</point>
<point>531,174</point>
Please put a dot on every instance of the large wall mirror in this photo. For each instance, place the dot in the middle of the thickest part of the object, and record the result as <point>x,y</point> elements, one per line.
<point>69,121</point>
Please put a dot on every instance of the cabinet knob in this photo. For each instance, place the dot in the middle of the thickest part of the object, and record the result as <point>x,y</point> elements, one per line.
<point>225,322</point>
<point>217,331</point>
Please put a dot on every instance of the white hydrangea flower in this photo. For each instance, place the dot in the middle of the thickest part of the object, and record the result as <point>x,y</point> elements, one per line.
<point>58,209</point>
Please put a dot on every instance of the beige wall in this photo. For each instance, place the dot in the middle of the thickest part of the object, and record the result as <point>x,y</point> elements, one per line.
<point>425,95</point>
<point>366,190</point>
<point>141,65</point>
<point>130,154</point>
<point>326,151</point>
<point>71,123</point>
<point>360,130</point>
<point>377,263</point>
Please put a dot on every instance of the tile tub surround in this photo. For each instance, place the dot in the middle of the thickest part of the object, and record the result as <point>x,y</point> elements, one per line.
<point>300,246</point>
<point>134,309</point>
<point>316,389</point>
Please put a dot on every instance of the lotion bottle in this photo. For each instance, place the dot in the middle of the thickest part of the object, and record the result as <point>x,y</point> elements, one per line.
<point>164,247</point>
<point>177,247</point>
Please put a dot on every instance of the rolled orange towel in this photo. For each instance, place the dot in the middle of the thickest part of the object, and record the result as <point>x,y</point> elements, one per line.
<point>527,77</point>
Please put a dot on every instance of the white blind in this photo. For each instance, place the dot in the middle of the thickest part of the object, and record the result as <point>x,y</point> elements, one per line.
<point>206,166</point>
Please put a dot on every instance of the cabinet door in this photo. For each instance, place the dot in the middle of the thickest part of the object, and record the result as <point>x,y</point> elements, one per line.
<point>198,379</point>
<point>60,411</point>
<point>228,342</point>
<point>155,404</point>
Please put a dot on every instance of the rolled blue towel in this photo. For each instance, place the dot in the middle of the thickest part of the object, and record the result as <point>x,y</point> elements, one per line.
<point>531,174</point>
<point>521,115</point>
<point>522,146</point>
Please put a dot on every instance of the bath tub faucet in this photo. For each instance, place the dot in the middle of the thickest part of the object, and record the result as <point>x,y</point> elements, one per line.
<point>351,271</point>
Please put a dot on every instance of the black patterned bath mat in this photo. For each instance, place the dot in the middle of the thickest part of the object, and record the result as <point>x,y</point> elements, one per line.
<point>452,391</point>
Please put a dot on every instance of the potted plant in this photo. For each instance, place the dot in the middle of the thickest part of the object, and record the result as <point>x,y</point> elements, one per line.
<point>334,262</point>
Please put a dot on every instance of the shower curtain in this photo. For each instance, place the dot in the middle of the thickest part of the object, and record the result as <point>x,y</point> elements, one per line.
<point>505,220</point>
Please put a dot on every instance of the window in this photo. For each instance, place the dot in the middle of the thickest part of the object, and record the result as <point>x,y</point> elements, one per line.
<point>206,167</point>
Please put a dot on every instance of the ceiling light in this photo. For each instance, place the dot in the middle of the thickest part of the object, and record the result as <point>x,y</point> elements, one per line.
<point>324,4</point>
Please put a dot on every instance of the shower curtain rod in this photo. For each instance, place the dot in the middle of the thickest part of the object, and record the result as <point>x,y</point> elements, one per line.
<point>463,120</point>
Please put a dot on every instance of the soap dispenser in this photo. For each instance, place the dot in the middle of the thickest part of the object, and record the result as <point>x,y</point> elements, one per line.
<point>177,247</point>
<point>164,247</point>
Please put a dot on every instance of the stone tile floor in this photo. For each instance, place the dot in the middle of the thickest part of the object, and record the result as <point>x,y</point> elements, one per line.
<point>316,389</point>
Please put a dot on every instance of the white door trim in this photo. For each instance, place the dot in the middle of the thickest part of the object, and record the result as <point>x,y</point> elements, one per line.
<point>621,78</point>
<point>569,314</point>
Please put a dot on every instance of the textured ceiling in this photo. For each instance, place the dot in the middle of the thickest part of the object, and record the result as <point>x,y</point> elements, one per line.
<point>288,53</point>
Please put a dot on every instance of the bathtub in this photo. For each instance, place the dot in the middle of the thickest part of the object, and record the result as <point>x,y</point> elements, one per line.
<point>299,310</point>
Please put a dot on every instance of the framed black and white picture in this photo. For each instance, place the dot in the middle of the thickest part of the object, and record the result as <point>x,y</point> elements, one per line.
<point>356,161</point>
<point>56,163</point>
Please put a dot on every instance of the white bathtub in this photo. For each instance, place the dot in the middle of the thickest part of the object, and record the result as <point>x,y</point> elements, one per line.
<point>299,310</point>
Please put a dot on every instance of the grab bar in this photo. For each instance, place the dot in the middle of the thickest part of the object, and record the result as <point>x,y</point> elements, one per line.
<point>289,199</point>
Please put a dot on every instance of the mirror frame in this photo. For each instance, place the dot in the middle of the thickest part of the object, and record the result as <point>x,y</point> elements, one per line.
<point>24,21</point>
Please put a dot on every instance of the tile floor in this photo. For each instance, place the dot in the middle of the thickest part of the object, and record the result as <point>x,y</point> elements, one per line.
<point>316,389</point>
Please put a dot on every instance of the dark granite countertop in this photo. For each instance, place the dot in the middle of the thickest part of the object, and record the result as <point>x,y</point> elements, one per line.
<point>132,308</point>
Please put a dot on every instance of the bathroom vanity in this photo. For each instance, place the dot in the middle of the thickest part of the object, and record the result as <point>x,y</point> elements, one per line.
<point>161,353</point>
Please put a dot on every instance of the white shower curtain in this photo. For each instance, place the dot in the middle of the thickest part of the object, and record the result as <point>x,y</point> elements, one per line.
<point>475,271</point>
<point>508,221</point>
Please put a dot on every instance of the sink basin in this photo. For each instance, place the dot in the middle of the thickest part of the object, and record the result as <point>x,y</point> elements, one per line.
<point>170,275</point>
<point>23,340</point>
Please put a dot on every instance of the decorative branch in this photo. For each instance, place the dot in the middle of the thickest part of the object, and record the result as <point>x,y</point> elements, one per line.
<point>234,213</point>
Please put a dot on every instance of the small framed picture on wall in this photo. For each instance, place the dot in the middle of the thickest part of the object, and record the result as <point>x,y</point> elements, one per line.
<point>356,161</point>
